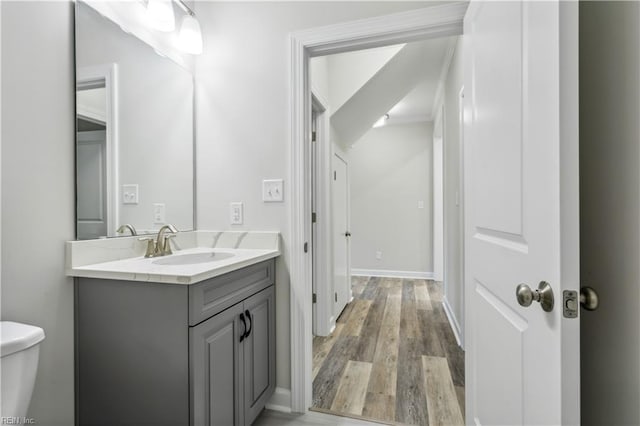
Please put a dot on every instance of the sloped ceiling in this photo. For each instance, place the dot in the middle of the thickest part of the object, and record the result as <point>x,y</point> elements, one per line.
<point>404,86</point>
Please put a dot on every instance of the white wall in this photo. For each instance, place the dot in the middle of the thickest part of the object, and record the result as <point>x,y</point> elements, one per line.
<point>38,190</point>
<point>390,173</point>
<point>155,121</point>
<point>243,118</point>
<point>453,223</point>
<point>610,210</point>
<point>319,77</point>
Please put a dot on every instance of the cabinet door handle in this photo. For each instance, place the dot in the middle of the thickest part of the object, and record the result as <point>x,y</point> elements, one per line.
<point>250,323</point>
<point>244,323</point>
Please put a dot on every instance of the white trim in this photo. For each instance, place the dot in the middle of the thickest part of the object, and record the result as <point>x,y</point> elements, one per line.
<point>391,274</point>
<point>280,401</point>
<point>453,322</point>
<point>462,200</point>
<point>109,74</point>
<point>419,24</point>
<point>438,99</point>
<point>324,317</point>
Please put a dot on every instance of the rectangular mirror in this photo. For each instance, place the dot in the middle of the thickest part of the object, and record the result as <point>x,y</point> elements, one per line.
<point>135,137</point>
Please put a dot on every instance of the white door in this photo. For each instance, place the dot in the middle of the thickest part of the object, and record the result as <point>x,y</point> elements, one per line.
<point>340,198</point>
<point>91,166</point>
<point>521,172</point>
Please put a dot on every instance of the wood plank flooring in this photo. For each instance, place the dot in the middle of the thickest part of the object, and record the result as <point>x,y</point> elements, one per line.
<point>392,357</point>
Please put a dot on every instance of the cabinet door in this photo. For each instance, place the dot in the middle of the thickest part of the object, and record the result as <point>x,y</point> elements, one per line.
<point>216,369</point>
<point>259,353</point>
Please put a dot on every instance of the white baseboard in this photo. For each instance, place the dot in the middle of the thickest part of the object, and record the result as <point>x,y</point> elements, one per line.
<point>280,401</point>
<point>453,322</point>
<point>391,274</point>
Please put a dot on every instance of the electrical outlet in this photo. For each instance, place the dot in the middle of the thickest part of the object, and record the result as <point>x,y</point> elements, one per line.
<point>130,194</point>
<point>159,213</point>
<point>378,255</point>
<point>421,204</point>
<point>237,214</point>
<point>272,190</point>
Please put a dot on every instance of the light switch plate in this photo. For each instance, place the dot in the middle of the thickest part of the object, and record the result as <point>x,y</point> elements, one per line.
<point>237,213</point>
<point>130,194</point>
<point>272,190</point>
<point>159,213</point>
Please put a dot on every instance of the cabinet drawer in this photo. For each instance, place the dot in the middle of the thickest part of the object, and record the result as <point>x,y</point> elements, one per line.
<point>217,294</point>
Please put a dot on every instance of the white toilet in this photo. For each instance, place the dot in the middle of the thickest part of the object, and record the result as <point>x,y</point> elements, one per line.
<point>19,365</point>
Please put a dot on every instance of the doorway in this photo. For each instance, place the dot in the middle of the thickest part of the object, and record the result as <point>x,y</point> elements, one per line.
<point>406,27</point>
<point>370,363</point>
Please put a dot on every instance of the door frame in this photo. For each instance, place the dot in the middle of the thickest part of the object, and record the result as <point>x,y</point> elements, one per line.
<point>88,77</point>
<point>324,320</point>
<point>419,24</point>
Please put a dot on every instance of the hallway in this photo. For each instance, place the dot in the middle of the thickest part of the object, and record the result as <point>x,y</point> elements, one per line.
<point>392,356</point>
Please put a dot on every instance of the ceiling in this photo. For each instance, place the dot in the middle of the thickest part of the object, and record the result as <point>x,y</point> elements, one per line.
<point>402,81</point>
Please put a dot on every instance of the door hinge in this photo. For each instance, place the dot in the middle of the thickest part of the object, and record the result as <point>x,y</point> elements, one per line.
<point>313,217</point>
<point>306,247</point>
<point>336,297</point>
<point>314,298</point>
<point>334,175</point>
<point>313,136</point>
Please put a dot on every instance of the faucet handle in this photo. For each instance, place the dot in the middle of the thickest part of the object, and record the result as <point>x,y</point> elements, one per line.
<point>166,249</point>
<point>151,246</point>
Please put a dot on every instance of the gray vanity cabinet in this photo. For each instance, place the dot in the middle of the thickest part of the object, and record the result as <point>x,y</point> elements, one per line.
<point>217,366</point>
<point>176,355</point>
<point>259,353</point>
<point>233,362</point>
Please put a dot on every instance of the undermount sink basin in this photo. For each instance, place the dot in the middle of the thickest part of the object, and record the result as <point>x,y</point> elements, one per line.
<point>192,258</point>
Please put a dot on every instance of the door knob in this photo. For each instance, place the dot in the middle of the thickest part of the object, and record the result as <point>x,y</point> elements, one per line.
<point>347,234</point>
<point>589,299</point>
<point>543,294</point>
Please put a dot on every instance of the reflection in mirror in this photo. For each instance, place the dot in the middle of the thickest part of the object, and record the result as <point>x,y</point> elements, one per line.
<point>134,145</point>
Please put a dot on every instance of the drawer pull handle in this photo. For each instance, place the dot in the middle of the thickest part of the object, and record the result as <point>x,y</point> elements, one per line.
<point>250,322</point>
<point>244,323</point>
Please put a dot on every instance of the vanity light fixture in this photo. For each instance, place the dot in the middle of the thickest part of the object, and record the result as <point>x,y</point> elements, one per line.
<point>381,121</point>
<point>190,35</point>
<point>161,16</point>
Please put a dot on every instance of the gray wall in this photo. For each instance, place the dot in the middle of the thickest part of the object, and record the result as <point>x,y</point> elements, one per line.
<point>242,94</point>
<point>610,210</point>
<point>453,221</point>
<point>390,171</point>
<point>38,190</point>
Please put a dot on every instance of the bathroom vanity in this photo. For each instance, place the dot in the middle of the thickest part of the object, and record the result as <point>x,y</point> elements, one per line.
<point>172,348</point>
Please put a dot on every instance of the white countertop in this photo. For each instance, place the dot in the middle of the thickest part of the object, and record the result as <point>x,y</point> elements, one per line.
<point>122,259</point>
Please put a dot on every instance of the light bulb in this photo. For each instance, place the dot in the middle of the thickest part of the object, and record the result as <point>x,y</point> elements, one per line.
<point>190,36</point>
<point>161,16</point>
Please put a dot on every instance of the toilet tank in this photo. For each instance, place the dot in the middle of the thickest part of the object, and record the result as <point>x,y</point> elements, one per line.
<point>19,351</point>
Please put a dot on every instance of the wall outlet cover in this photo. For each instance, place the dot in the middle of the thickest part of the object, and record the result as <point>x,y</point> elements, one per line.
<point>236,213</point>
<point>159,213</point>
<point>130,194</point>
<point>273,190</point>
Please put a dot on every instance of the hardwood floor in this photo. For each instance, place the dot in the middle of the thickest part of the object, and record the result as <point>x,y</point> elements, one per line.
<point>392,357</point>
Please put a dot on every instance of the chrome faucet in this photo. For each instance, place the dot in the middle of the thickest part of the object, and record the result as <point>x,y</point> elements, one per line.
<point>129,227</point>
<point>163,244</point>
